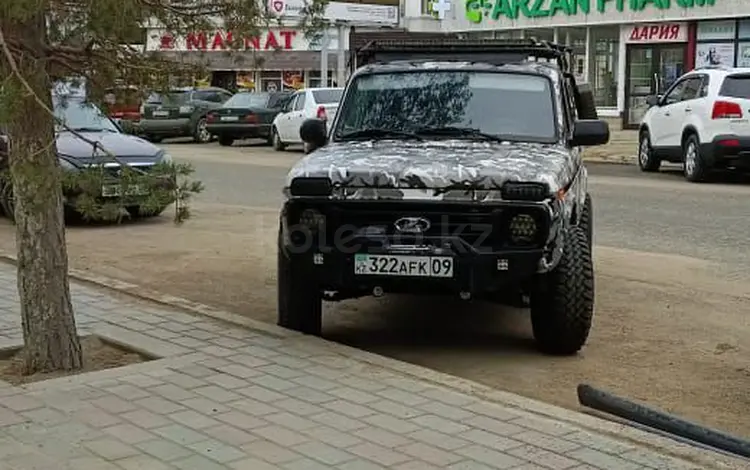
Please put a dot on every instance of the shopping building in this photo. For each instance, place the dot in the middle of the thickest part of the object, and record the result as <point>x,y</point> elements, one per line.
<point>279,57</point>
<point>625,49</point>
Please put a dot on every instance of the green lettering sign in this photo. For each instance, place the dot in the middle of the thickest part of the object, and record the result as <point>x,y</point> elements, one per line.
<point>478,10</point>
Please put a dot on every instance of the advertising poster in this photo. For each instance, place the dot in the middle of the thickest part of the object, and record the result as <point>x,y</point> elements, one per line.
<point>293,80</point>
<point>743,55</point>
<point>713,54</point>
<point>246,81</point>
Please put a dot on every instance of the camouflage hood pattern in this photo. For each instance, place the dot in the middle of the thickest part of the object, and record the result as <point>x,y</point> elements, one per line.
<point>443,169</point>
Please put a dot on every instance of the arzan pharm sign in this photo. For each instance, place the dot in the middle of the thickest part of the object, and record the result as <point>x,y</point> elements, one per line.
<point>476,10</point>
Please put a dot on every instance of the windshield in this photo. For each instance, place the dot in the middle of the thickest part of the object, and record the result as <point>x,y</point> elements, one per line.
<point>247,100</point>
<point>327,96</point>
<point>81,116</point>
<point>517,107</point>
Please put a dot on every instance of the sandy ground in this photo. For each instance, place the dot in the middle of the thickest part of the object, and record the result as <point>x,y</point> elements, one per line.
<point>669,330</point>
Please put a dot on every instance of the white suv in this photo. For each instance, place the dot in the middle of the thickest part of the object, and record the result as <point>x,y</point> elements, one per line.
<point>702,121</point>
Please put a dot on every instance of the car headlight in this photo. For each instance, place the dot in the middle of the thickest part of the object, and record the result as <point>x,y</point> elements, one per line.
<point>522,229</point>
<point>66,165</point>
<point>312,219</point>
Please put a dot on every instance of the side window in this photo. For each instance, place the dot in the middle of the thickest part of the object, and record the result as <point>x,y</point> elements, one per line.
<point>224,96</point>
<point>691,89</point>
<point>291,103</point>
<point>703,92</point>
<point>675,94</point>
<point>299,105</point>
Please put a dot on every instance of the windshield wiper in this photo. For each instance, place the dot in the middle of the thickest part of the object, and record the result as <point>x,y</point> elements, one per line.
<point>378,132</point>
<point>453,131</point>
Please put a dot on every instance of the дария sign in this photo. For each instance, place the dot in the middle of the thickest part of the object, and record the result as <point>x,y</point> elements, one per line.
<point>477,10</point>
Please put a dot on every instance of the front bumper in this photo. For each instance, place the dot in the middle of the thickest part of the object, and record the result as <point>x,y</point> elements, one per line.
<point>166,127</point>
<point>727,151</point>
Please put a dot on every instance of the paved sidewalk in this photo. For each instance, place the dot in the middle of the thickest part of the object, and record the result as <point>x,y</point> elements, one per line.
<point>225,397</point>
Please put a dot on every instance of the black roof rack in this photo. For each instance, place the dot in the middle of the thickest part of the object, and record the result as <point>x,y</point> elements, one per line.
<point>451,48</point>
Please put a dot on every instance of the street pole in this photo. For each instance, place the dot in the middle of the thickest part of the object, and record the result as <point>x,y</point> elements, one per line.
<point>340,56</point>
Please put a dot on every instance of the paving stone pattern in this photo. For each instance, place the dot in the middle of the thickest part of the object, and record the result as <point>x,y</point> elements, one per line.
<point>223,397</point>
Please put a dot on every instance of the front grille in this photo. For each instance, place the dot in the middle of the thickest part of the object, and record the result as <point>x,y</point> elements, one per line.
<point>479,226</point>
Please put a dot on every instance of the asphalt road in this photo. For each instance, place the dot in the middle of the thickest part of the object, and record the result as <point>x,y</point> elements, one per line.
<point>659,213</point>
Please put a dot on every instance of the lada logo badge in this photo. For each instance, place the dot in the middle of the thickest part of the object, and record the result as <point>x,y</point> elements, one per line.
<point>412,225</point>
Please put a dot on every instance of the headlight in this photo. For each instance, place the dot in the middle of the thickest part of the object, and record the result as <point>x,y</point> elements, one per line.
<point>312,219</point>
<point>522,229</point>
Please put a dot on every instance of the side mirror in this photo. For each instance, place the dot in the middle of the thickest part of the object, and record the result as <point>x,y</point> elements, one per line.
<point>654,100</point>
<point>314,133</point>
<point>589,133</point>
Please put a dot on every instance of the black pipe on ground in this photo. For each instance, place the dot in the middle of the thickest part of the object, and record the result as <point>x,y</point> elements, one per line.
<point>608,403</point>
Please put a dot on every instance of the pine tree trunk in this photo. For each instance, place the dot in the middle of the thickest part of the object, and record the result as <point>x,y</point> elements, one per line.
<point>49,328</point>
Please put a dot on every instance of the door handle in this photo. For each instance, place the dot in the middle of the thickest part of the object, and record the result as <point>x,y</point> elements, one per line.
<point>688,110</point>
<point>667,113</point>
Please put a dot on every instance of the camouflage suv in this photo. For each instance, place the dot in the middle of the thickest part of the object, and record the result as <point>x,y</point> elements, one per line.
<point>448,171</point>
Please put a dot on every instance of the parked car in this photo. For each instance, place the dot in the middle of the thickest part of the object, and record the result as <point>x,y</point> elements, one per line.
<point>702,121</point>
<point>75,154</point>
<point>181,113</point>
<point>123,105</point>
<point>320,103</point>
<point>245,116</point>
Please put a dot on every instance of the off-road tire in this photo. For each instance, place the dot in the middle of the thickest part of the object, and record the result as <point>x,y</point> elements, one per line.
<point>299,306</point>
<point>562,305</point>
<point>697,172</point>
<point>586,222</point>
<point>647,162</point>
<point>585,103</point>
<point>7,203</point>
<point>277,143</point>
<point>226,141</point>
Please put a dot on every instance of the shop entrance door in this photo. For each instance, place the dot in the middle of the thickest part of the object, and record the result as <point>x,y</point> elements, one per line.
<point>650,70</point>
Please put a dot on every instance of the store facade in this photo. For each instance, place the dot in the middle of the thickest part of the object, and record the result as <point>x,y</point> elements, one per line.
<point>626,50</point>
<point>278,58</point>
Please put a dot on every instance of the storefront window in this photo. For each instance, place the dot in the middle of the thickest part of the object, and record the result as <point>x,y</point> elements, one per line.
<point>603,70</point>
<point>270,80</point>
<point>313,79</point>
<point>716,43</point>
<point>541,34</point>
<point>293,80</point>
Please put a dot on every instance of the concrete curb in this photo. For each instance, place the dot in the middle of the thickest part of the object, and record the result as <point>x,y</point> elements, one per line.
<point>611,159</point>
<point>624,432</point>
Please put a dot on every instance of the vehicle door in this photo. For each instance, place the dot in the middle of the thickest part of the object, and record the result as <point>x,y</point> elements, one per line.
<point>691,106</point>
<point>297,117</point>
<point>668,116</point>
<point>283,120</point>
<point>273,106</point>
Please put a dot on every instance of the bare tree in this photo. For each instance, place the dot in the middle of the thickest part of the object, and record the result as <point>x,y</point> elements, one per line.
<point>42,42</point>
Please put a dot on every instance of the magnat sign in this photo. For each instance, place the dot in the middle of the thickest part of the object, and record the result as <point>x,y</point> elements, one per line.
<point>478,10</point>
<point>273,39</point>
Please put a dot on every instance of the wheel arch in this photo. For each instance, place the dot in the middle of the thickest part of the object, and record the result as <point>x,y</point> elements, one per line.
<point>688,131</point>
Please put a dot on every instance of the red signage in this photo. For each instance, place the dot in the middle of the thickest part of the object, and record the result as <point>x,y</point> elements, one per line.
<point>220,41</point>
<point>670,32</point>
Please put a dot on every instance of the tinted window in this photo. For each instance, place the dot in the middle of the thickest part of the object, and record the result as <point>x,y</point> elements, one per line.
<point>175,97</point>
<point>78,115</point>
<point>207,95</point>
<point>675,94</point>
<point>692,87</point>
<point>736,86</point>
<point>247,100</point>
<point>327,96</point>
<point>300,103</point>
<point>513,106</point>
<point>277,100</point>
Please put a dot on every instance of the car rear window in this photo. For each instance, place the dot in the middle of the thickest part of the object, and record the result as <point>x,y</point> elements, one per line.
<point>247,100</point>
<point>327,96</point>
<point>176,97</point>
<point>736,86</point>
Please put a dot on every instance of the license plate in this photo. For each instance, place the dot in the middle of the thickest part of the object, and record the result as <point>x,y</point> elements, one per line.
<point>161,113</point>
<point>399,265</point>
<point>114,190</point>
<point>230,118</point>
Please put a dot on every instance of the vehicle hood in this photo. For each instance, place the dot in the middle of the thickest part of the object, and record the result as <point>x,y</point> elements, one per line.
<point>128,148</point>
<point>436,167</point>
